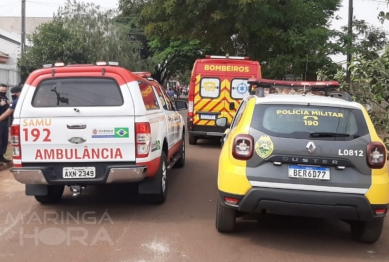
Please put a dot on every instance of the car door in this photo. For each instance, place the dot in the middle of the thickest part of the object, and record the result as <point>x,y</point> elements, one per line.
<point>169,112</point>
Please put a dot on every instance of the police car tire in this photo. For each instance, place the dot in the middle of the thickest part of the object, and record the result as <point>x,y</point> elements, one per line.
<point>367,231</point>
<point>54,195</point>
<point>160,198</point>
<point>181,161</point>
<point>225,218</point>
<point>192,140</point>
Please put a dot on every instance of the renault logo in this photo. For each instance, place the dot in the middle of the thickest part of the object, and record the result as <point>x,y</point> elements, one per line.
<point>311,147</point>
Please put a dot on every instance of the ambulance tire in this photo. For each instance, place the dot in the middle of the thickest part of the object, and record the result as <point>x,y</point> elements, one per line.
<point>225,218</point>
<point>54,195</point>
<point>192,140</point>
<point>181,161</point>
<point>367,231</point>
<point>161,179</point>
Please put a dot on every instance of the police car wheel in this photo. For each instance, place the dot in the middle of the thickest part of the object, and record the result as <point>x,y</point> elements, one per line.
<point>181,161</point>
<point>225,218</point>
<point>367,231</point>
<point>192,140</point>
<point>161,178</point>
<point>54,195</point>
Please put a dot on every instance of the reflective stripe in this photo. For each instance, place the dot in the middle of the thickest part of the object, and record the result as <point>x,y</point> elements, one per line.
<point>345,190</point>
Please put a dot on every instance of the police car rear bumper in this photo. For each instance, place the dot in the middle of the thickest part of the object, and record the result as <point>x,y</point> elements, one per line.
<point>305,204</point>
<point>46,176</point>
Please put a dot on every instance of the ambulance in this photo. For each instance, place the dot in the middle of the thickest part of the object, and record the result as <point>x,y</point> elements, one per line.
<point>217,86</point>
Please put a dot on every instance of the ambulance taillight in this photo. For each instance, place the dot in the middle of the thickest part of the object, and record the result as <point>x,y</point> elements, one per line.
<point>142,139</point>
<point>15,141</point>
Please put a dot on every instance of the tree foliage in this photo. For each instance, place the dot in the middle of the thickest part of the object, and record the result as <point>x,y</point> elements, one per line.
<point>370,78</point>
<point>81,33</point>
<point>286,36</point>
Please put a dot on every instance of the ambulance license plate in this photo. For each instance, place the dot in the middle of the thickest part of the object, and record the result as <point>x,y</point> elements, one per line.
<point>208,117</point>
<point>79,172</point>
<point>309,172</point>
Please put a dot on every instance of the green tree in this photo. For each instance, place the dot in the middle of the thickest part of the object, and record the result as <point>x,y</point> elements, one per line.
<point>81,33</point>
<point>286,36</point>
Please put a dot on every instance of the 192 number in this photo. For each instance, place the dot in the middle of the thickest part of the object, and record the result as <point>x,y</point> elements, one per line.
<point>35,133</point>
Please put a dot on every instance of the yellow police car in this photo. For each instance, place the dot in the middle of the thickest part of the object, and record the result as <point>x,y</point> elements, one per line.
<point>302,148</point>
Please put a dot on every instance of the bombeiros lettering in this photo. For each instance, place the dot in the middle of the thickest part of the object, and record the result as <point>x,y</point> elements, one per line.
<point>73,153</point>
<point>241,69</point>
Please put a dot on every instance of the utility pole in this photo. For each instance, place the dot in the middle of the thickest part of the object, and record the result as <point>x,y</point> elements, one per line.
<point>23,41</point>
<point>350,42</point>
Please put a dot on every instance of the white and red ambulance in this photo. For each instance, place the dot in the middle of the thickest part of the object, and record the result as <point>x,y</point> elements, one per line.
<point>81,125</point>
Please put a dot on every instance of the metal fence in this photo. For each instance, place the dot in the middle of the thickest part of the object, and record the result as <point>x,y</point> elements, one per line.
<point>9,75</point>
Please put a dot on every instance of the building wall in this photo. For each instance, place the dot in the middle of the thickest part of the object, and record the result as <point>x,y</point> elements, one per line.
<point>14,24</point>
<point>12,49</point>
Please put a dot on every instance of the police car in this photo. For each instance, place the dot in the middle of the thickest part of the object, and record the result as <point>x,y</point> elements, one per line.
<point>81,125</point>
<point>305,149</point>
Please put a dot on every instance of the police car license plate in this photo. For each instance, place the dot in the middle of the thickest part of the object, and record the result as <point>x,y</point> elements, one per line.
<point>309,172</point>
<point>208,117</point>
<point>79,172</point>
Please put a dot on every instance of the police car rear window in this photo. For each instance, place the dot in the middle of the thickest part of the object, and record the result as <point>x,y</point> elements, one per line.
<point>309,122</point>
<point>69,92</point>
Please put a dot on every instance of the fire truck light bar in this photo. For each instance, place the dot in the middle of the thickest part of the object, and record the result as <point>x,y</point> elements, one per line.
<point>228,57</point>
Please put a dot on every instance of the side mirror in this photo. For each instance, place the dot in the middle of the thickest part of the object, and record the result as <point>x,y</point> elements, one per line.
<point>181,105</point>
<point>232,106</point>
<point>367,107</point>
<point>221,121</point>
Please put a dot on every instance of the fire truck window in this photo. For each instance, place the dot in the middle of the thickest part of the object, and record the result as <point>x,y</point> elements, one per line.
<point>239,88</point>
<point>148,96</point>
<point>210,87</point>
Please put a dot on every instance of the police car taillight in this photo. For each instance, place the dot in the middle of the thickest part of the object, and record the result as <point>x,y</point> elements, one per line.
<point>376,155</point>
<point>243,147</point>
<point>15,141</point>
<point>142,139</point>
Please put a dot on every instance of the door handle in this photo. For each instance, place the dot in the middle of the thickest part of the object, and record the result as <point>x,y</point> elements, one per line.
<point>79,126</point>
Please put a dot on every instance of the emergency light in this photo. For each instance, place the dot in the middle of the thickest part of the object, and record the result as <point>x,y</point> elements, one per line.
<point>257,86</point>
<point>228,57</point>
<point>143,74</point>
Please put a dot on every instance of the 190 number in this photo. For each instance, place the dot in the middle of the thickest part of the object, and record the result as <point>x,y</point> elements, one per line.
<point>311,123</point>
<point>34,134</point>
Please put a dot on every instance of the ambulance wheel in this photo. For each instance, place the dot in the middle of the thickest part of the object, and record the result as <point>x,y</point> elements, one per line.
<point>367,231</point>
<point>161,179</point>
<point>181,161</point>
<point>54,195</point>
<point>192,140</point>
<point>225,218</point>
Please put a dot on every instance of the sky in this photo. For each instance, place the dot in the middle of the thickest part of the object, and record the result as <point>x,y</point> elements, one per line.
<point>363,10</point>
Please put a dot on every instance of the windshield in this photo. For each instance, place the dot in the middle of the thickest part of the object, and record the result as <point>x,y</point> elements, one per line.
<point>309,122</point>
<point>69,92</point>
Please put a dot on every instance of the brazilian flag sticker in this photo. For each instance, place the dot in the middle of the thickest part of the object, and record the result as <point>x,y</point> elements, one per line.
<point>121,132</point>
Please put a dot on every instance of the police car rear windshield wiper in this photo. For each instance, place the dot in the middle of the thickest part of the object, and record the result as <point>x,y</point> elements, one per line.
<point>328,134</point>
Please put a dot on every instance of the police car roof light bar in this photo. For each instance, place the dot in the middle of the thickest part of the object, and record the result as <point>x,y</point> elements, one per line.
<point>266,83</point>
